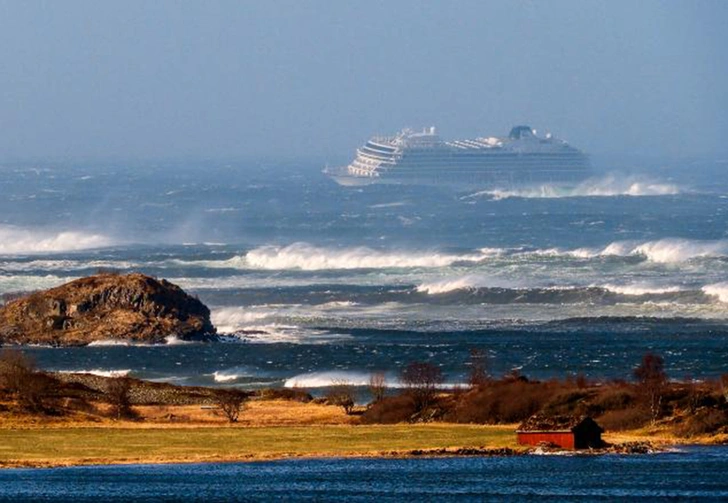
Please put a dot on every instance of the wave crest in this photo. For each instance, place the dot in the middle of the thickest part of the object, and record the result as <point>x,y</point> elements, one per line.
<point>609,186</point>
<point>15,240</point>
<point>307,257</point>
<point>719,290</point>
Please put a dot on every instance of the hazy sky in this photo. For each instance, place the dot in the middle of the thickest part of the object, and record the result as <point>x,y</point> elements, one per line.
<point>317,78</point>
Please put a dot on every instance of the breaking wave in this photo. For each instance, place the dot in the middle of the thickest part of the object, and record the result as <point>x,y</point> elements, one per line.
<point>609,186</point>
<point>719,290</point>
<point>641,289</point>
<point>668,250</point>
<point>15,240</point>
<point>232,374</point>
<point>230,320</point>
<point>351,377</point>
<point>306,257</point>
<point>99,372</point>
<point>328,378</point>
<point>470,282</point>
<point>10,284</point>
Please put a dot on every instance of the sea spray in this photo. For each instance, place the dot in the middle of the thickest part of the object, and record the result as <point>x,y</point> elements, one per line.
<point>609,186</point>
<point>17,240</point>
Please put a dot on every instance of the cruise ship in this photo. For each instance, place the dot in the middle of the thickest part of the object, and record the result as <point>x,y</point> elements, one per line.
<point>410,157</point>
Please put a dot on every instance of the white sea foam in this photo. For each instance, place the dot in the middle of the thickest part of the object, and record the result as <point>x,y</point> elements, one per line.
<point>307,257</point>
<point>174,340</point>
<point>231,374</point>
<point>352,377</point>
<point>65,265</point>
<point>640,289</point>
<point>100,372</point>
<point>328,378</point>
<point>16,240</point>
<point>233,319</point>
<point>453,284</point>
<point>668,250</point>
<point>30,283</point>
<point>609,186</point>
<point>719,290</point>
<point>110,342</point>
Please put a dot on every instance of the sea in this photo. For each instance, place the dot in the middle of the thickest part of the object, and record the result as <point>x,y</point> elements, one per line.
<point>310,283</point>
<point>686,474</point>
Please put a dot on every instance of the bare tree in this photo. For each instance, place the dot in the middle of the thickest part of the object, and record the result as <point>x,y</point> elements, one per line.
<point>652,379</point>
<point>377,386</point>
<point>341,393</point>
<point>19,376</point>
<point>118,395</point>
<point>478,363</point>
<point>230,402</point>
<point>421,380</point>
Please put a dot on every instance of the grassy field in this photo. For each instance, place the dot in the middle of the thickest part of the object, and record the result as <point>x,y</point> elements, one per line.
<point>75,446</point>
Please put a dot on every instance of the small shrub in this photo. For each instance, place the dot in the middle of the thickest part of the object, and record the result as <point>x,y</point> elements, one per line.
<point>377,386</point>
<point>566,402</point>
<point>230,403</point>
<point>20,378</point>
<point>614,399</point>
<point>390,410</point>
<point>341,394</point>
<point>421,380</point>
<point>293,394</point>
<point>706,421</point>
<point>117,394</point>
<point>625,419</point>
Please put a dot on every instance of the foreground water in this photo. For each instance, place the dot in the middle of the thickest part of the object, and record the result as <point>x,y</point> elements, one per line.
<point>689,474</point>
<point>312,282</point>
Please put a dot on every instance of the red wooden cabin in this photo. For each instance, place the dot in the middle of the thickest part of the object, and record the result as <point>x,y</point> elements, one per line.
<point>567,432</point>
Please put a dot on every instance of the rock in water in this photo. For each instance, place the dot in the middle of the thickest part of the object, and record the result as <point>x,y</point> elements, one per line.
<point>132,307</point>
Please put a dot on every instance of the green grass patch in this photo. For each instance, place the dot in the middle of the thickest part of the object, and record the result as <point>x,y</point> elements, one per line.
<point>141,445</point>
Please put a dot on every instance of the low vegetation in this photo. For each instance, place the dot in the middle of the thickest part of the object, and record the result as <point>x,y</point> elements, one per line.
<point>289,422</point>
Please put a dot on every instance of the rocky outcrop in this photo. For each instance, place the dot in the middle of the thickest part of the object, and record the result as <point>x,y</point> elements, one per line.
<point>132,307</point>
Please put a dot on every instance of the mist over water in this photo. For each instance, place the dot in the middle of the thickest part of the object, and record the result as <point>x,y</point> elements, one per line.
<point>310,282</point>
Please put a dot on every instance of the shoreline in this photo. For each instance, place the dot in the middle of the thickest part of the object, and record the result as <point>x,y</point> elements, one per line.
<point>149,444</point>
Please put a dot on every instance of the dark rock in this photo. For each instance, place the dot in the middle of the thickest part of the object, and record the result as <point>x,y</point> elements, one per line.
<point>131,307</point>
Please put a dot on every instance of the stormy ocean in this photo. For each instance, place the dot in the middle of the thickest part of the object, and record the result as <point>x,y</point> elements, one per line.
<point>311,282</point>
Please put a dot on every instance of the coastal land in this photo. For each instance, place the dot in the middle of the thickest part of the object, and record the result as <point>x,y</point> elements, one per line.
<point>63,419</point>
<point>188,426</point>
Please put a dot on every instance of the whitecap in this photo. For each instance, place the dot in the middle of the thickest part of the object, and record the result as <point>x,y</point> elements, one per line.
<point>609,186</point>
<point>99,372</point>
<point>17,240</point>
<point>719,290</point>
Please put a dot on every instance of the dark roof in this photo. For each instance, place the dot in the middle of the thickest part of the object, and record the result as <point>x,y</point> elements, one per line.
<point>541,422</point>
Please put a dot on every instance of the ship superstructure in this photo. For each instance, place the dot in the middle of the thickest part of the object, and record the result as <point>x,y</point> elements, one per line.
<point>521,158</point>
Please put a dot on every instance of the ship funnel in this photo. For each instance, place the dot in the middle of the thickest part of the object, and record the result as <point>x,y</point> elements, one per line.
<point>433,131</point>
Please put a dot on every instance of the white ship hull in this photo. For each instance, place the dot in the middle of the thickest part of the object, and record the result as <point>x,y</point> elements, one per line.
<point>422,158</point>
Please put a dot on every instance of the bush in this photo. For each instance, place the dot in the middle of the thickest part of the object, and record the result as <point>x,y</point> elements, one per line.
<point>704,422</point>
<point>377,386</point>
<point>613,399</point>
<point>230,403</point>
<point>390,410</point>
<point>20,378</point>
<point>625,419</point>
<point>509,401</point>
<point>117,394</point>
<point>567,402</point>
<point>294,394</point>
<point>421,380</point>
<point>341,394</point>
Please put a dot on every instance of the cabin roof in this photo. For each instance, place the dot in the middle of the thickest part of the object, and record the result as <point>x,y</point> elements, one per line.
<point>541,422</point>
